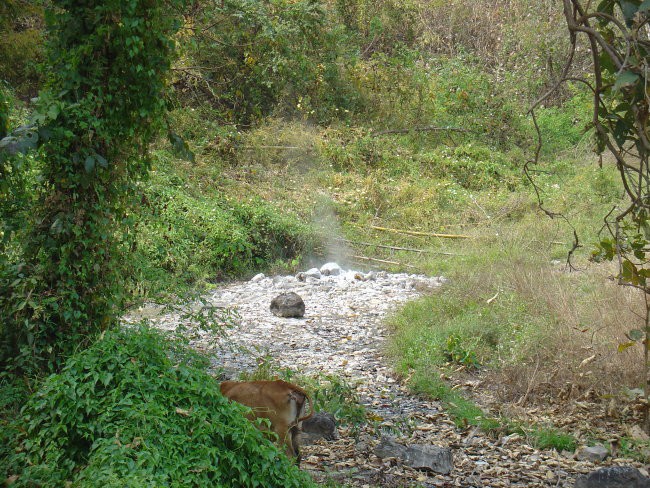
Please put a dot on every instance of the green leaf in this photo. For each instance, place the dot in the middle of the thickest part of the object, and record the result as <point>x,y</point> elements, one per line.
<point>53,111</point>
<point>625,79</point>
<point>629,9</point>
<point>101,160</point>
<point>629,272</point>
<point>606,6</point>
<point>636,334</point>
<point>645,6</point>
<point>89,164</point>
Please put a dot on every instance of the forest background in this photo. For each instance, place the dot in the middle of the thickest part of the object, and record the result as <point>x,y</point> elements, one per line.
<point>304,131</point>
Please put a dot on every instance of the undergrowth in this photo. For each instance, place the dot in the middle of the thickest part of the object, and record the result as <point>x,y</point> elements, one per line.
<point>138,409</point>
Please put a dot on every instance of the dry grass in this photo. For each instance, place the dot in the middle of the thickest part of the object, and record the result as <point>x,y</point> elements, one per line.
<point>579,354</point>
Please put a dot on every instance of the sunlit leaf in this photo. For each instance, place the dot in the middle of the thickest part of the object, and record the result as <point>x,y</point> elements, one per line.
<point>625,345</point>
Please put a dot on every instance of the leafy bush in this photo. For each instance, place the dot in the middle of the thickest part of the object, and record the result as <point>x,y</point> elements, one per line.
<point>138,409</point>
<point>460,352</point>
<point>260,58</point>
<point>474,167</point>
<point>188,235</point>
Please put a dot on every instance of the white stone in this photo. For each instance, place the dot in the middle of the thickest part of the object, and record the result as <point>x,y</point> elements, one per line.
<point>258,277</point>
<point>330,269</point>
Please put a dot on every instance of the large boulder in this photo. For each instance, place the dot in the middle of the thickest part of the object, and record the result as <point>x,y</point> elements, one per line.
<point>429,457</point>
<point>321,425</point>
<point>614,477</point>
<point>288,305</point>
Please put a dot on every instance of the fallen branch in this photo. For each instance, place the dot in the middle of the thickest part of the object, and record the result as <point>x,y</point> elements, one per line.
<point>429,128</point>
<point>270,147</point>
<point>395,248</point>
<point>415,233</point>
<point>384,261</point>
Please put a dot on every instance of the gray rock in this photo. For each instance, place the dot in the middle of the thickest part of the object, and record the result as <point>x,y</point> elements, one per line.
<point>330,269</point>
<point>595,454</point>
<point>321,425</point>
<point>288,305</point>
<point>258,277</point>
<point>312,273</point>
<point>614,477</point>
<point>434,458</point>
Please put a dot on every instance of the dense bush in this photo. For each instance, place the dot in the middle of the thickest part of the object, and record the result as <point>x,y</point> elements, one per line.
<point>188,236</point>
<point>102,105</point>
<point>137,409</point>
<point>252,58</point>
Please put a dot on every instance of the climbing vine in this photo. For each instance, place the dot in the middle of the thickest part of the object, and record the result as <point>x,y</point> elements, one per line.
<point>103,103</point>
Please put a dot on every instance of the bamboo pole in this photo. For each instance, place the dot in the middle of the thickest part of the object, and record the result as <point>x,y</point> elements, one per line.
<point>384,261</point>
<point>394,248</point>
<point>427,234</point>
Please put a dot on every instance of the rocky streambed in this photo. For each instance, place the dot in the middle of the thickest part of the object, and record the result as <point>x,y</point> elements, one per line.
<point>342,334</point>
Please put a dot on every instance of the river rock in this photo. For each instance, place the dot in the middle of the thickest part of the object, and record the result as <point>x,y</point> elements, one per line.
<point>321,425</point>
<point>258,277</point>
<point>330,269</point>
<point>614,477</point>
<point>310,273</point>
<point>288,304</point>
<point>594,454</point>
<point>434,458</point>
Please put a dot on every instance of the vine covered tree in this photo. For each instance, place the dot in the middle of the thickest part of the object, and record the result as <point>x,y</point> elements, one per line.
<point>103,103</point>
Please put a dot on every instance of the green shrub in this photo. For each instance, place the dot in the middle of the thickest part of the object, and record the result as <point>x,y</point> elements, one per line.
<point>186,235</point>
<point>562,128</point>
<point>261,58</point>
<point>137,409</point>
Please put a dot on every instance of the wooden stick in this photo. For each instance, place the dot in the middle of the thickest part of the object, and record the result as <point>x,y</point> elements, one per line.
<point>428,234</point>
<point>394,248</point>
<point>428,128</point>
<point>365,258</point>
<point>270,147</point>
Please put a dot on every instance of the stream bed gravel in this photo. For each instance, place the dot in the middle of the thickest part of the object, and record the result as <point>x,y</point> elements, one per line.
<point>342,334</point>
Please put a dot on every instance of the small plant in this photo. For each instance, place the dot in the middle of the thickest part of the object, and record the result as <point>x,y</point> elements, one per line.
<point>552,438</point>
<point>457,351</point>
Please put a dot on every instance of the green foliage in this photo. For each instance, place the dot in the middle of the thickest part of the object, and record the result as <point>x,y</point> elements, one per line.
<point>474,167</point>
<point>457,351</point>
<point>334,395</point>
<point>564,127</point>
<point>137,409</point>
<point>103,103</point>
<point>379,26</point>
<point>256,58</point>
<point>21,45</point>
<point>185,236</point>
<point>552,438</point>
